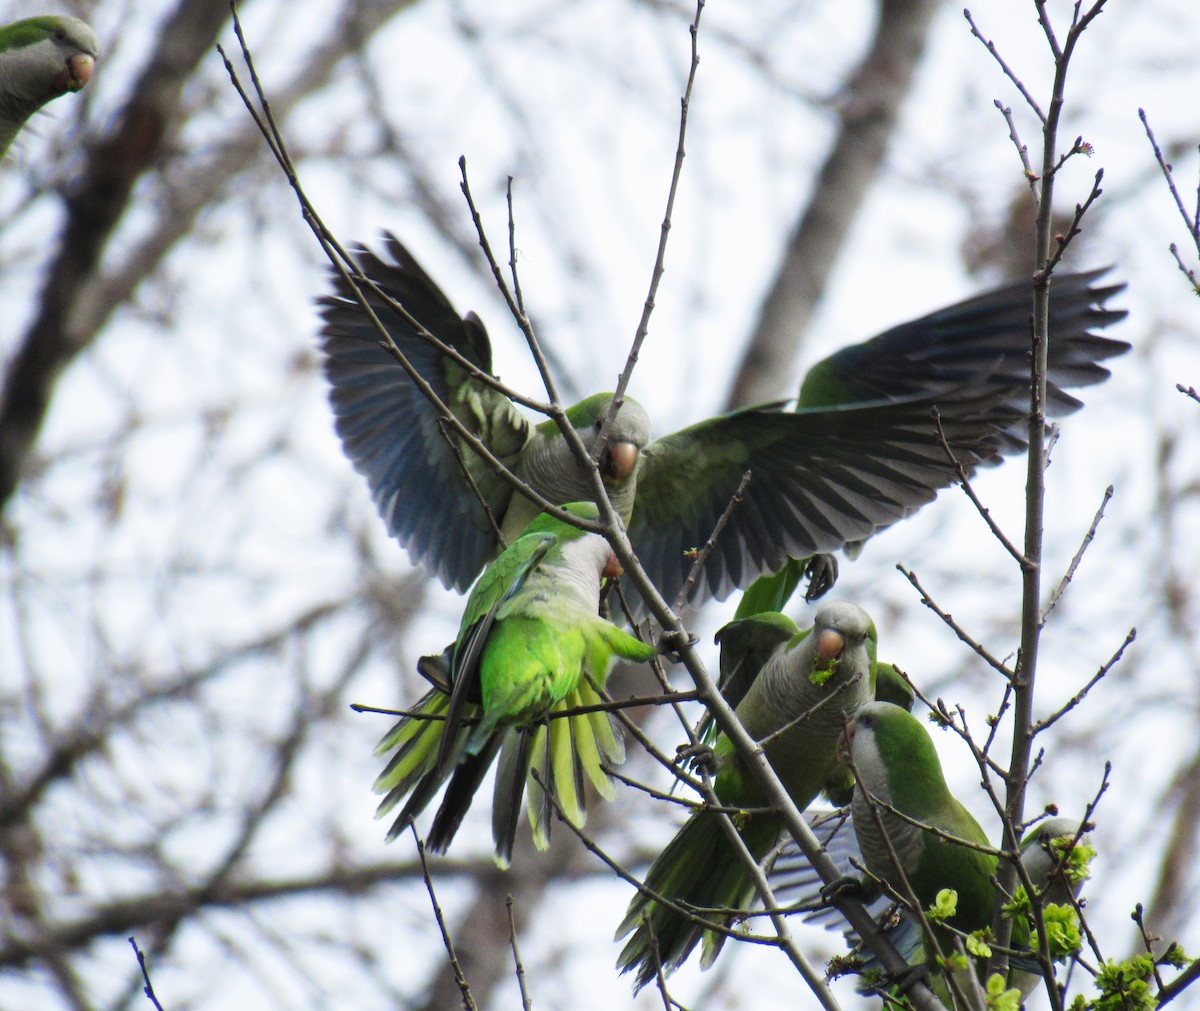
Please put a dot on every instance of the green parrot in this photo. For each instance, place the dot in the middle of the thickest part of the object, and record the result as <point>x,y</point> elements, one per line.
<point>40,59</point>
<point>897,765</point>
<point>747,644</point>
<point>859,453</point>
<point>531,645</point>
<point>807,683</point>
<point>1055,854</point>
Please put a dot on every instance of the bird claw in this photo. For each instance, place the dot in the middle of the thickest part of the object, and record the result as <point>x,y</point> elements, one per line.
<point>671,644</point>
<point>698,757</point>
<point>822,573</point>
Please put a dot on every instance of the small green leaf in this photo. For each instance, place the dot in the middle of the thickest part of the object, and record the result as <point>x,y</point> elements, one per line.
<point>977,944</point>
<point>999,997</point>
<point>821,674</point>
<point>944,906</point>
<point>1063,936</point>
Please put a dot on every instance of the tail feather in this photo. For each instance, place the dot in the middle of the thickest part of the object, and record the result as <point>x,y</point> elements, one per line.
<point>568,752</point>
<point>604,744</point>
<point>414,770</point>
<point>511,774</point>
<point>700,870</point>
<point>469,771</point>
<point>539,788</point>
<point>563,783</point>
<point>415,741</point>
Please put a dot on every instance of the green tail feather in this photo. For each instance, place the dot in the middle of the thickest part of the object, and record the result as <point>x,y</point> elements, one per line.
<point>413,770</point>
<point>771,593</point>
<point>701,870</point>
<point>416,743</point>
<point>567,753</point>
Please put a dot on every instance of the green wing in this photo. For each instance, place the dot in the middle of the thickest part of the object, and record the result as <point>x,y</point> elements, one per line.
<point>499,583</point>
<point>391,432</point>
<point>819,478</point>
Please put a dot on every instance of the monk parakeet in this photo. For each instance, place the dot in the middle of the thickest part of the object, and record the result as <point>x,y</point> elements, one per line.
<point>807,684</point>
<point>531,644</point>
<point>898,768</point>
<point>40,59</point>
<point>859,453</point>
<point>748,643</point>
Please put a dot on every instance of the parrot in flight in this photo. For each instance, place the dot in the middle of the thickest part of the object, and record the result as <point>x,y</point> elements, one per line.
<point>531,645</point>
<point>858,453</point>
<point>898,767</point>
<point>807,684</point>
<point>40,59</point>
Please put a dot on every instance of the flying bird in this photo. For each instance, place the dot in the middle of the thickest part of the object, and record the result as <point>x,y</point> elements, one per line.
<point>859,452</point>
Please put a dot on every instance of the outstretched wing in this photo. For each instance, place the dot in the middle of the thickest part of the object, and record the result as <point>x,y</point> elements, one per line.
<point>391,431</point>
<point>988,332</point>
<point>819,479</point>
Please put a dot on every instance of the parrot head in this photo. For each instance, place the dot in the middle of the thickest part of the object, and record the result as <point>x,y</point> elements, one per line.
<point>65,43</point>
<point>628,436</point>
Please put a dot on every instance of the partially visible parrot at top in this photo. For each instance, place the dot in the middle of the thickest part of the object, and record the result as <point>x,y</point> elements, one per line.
<point>41,58</point>
<point>531,644</point>
<point>800,698</point>
<point>858,453</point>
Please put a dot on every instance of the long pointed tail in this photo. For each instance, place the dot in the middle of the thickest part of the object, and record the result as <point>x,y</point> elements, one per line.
<point>700,870</point>
<point>414,766</point>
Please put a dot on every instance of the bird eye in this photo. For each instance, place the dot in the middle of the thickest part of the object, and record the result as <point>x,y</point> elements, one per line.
<point>60,35</point>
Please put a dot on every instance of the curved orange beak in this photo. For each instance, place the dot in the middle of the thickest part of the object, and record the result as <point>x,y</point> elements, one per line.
<point>830,644</point>
<point>617,461</point>
<point>612,568</point>
<point>76,72</point>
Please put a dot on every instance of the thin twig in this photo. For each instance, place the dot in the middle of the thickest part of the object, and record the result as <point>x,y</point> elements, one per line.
<point>518,965</point>
<point>963,479</point>
<point>148,989</point>
<point>702,555</point>
<point>1031,177</point>
<point>1190,222</point>
<point>517,310</point>
<point>1062,241</point>
<point>656,274</point>
<point>1095,679</point>
<point>998,665</point>
<point>1087,540</point>
<point>464,987</point>
<point>1008,71</point>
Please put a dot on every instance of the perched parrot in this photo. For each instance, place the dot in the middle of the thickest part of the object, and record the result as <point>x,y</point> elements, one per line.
<point>40,59</point>
<point>748,643</point>
<point>898,766</point>
<point>826,674</point>
<point>531,644</point>
<point>859,453</point>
